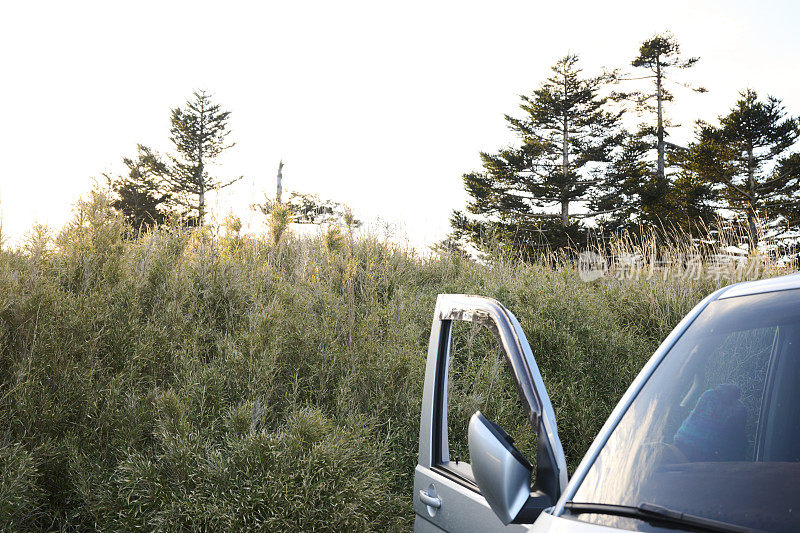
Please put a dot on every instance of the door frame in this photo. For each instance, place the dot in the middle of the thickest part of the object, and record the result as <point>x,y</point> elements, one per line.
<point>551,469</point>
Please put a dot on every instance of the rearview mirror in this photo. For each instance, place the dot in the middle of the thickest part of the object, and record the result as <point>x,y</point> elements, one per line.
<point>502,473</point>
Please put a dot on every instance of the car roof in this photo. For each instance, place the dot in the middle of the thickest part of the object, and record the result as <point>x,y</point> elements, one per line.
<point>781,283</point>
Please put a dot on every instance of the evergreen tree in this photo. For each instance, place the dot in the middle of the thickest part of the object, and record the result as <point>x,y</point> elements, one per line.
<point>629,193</point>
<point>140,196</point>
<point>746,155</point>
<point>788,209</point>
<point>690,201</point>
<point>659,55</point>
<point>636,196</point>
<point>637,190</point>
<point>198,131</point>
<point>565,133</point>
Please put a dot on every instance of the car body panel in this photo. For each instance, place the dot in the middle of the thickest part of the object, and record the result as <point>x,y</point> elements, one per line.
<point>461,510</point>
<point>780,283</point>
<point>548,523</point>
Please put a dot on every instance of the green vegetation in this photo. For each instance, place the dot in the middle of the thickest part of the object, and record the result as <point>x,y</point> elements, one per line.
<point>566,136</point>
<point>574,174</point>
<point>183,380</point>
<point>156,188</point>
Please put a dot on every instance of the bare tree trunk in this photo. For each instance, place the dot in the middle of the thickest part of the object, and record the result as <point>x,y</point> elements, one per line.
<point>565,163</point>
<point>279,190</point>
<point>660,132</point>
<point>751,222</point>
<point>751,200</point>
<point>201,200</point>
<point>201,204</point>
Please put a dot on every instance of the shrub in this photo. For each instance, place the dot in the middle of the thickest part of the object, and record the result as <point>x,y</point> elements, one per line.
<point>178,381</point>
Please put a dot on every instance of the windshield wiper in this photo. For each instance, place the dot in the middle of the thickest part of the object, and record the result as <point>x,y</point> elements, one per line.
<point>655,513</point>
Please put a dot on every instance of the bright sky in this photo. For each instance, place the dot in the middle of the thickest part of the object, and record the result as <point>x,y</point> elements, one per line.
<point>380,105</point>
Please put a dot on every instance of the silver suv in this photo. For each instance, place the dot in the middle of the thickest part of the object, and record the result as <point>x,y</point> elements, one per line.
<point>707,437</point>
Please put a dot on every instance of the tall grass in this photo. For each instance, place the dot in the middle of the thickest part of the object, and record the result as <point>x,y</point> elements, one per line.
<point>187,381</point>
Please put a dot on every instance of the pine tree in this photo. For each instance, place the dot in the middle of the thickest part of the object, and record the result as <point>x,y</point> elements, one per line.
<point>690,202</point>
<point>636,189</point>
<point>637,197</point>
<point>565,132</point>
<point>746,155</point>
<point>198,131</point>
<point>629,194</point>
<point>788,209</point>
<point>141,195</point>
<point>659,55</point>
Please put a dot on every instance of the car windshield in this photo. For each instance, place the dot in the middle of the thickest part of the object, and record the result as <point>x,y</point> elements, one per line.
<point>715,431</point>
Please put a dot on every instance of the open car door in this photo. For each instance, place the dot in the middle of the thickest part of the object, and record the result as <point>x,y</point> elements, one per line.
<point>447,495</point>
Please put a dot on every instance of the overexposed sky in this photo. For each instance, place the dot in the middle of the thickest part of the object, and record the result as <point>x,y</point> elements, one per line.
<point>380,105</point>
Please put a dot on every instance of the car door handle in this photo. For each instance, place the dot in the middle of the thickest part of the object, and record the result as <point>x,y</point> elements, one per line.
<point>430,501</point>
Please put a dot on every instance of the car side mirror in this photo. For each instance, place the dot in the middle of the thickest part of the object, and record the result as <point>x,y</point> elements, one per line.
<point>502,473</point>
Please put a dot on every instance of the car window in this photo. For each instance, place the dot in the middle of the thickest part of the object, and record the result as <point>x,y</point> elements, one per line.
<point>741,358</point>
<point>714,431</point>
<point>479,379</point>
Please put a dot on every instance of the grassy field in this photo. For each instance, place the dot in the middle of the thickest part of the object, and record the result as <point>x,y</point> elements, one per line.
<point>191,381</point>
